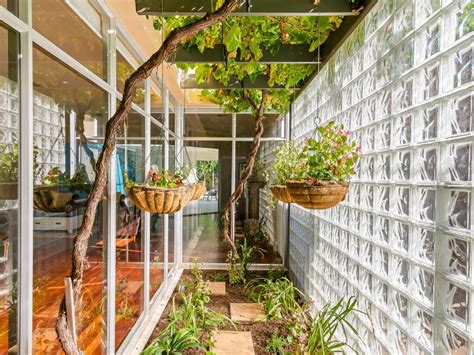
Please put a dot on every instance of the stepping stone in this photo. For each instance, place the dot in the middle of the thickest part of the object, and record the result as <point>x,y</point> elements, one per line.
<point>217,288</point>
<point>233,343</point>
<point>247,312</point>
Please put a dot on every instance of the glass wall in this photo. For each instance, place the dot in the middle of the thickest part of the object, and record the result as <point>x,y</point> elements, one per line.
<point>129,230</point>
<point>69,120</point>
<point>9,187</point>
<point>402,242</point>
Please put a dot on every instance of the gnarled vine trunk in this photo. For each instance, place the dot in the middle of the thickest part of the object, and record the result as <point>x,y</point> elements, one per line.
<point>259,111</point>
<point>169,46</point>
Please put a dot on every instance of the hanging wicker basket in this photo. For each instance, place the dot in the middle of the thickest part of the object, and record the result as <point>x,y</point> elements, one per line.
<point>319,195</point>
<point>280,192</point>
<point>8,190</point>
<point>51,199</point>
<point>198,191</point>
<point>160,200</point>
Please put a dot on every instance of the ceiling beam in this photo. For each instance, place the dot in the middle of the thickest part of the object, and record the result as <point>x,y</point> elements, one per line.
<point>287,54</point>
<point>261,82</point>
<point>247,8</point>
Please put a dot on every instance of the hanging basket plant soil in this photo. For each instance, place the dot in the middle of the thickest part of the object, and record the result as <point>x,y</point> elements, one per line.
<point>8,190</point>
<point>51,199</point>
<point>317,195</point>
<point>199,190</point>
<point>158,199</point>
<point>280,192</point>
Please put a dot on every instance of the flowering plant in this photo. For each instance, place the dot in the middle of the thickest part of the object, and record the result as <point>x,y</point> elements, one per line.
<point>332,156</point>
<point>290,164</point>
<point>158,177</point>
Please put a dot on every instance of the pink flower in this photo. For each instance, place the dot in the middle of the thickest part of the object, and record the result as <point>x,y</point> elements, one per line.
<point>359,150</point>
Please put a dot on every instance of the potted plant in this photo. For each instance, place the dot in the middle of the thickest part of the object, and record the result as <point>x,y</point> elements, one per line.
<point>58,190</point>
<point>290,165</point>
<point>331,161</point>
<point>9,167</point>
<point>163,192</point>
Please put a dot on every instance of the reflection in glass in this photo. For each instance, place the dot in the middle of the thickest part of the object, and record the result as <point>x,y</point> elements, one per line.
<point>9,200</point>
<point>273,126</point>
<point>62,22</point>
<point>201,219</point>
<point>130,233</point>
<point>69,117</point>
<point>124,71</point>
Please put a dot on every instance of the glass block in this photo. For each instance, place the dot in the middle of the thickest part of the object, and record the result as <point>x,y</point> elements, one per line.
<point>430,81</point>
<point>399,307</point>
<point>457,159</point>
<point>405,57</point>
<point>383,137</point>
<point>404,21</point>
<point>425,164</point>
<point>423,326</point>
<point>383,167</point>
<point>422,284</point>
<point>403,94</point>
<point>367,196</point>
<point>457,22</point>
<point>424,201</point>
<point>355,220</point>
<point>367,224</point>
<point>427,123</point>
<point>457,255</point>
<point>400,341</point>
<point>457,115</point>
<point>385,71</point>
<point>383,199</point>
<point>354,194</point>
<point>401,165</point>
<point>399,270</point>
<point>384,11</point>
<point>428,41</point>
<point>367,167</point>
<point>453,343</point>
<point>399,240</point>
<point>422,244</point>
<point>400,203</point>
<point>382,229</point>
<point>457,303</point>
<point>424,9</point>
<point>403,130</point>
<point>458,69</point>
<point>381,292</point>
<point>385,103</point>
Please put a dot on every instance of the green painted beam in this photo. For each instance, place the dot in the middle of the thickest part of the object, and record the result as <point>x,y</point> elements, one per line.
<point>247,8</point>
<point>288,54</point>
<point>260,83</point>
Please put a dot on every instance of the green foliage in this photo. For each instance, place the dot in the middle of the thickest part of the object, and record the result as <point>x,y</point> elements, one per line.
<point>259,172</point>
<point>207,170</point>
<point>279,297</point>
<point>255,232</point>
<point>9,166</point>
<point>173,342</point>
<point>79,182</point>
<point>290,164</point>
<point>246,38</point>
<point>325,325</point>
<point>332,156</point>
<point>157,177</point>
<point>219,277</point>
<point>276,345</point>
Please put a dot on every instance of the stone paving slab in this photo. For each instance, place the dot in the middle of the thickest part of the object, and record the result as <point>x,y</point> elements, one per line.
<point>247,312</point>
<point>217,288</point>
<point>233,343</point>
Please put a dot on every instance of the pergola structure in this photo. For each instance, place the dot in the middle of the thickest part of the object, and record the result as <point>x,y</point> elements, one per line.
<point>351,11</point>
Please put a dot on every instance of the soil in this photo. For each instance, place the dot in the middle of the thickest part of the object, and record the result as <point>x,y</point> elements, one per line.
<point>261,331</point>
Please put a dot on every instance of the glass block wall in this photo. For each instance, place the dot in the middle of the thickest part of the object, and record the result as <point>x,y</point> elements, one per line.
<point>402,242</point>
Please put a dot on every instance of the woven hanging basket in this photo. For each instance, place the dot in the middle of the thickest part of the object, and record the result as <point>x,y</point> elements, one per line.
<point>280,192</point>
<point>198,190</point>
<point>50,199</point>
<point>8,190</point>
<point>317,196</point>
<point>160,200</point>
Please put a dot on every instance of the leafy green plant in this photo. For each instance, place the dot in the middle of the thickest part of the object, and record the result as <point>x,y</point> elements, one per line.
<point>290,164</point>
<point>324,326</point>
<point>173,342</point>
<point>239,264</point>
<point>79,182</point>
<point>255,232</point>
<point>332,156</point>
<point>9,162</point>
<point>279,297</point>
<point>219,277</point>
<point>276,345</point>
<point>157,177</point>
<point>259,172</point>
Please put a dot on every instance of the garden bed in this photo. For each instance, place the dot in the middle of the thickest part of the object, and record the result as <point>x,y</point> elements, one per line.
<point>261,331</point>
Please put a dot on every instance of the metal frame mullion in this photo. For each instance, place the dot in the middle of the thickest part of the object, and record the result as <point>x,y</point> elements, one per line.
<point>166,153</point>
<point>146,219</point>
<point>25,243</point>
<point>234,169</point>
<point>111,201</point>
<point>178,217</point>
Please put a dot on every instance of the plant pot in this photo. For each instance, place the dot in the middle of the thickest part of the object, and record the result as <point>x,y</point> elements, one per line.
<point>198,191</point>
<point>8,190</point>
<point>280,192</point>
<point>317,195</point>
<point>160,200</point>
<point>51,199</point>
